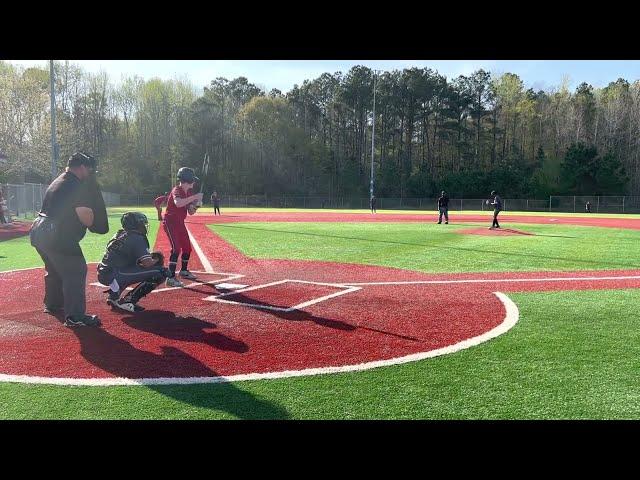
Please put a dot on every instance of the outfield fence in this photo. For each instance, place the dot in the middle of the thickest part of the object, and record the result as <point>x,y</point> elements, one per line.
<point>25,200</point>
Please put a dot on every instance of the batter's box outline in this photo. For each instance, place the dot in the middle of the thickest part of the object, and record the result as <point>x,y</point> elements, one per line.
<point>346,289</point>
<point>229,276</point>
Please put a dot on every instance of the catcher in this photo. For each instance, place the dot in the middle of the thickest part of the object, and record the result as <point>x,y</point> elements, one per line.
<point>128,261</point>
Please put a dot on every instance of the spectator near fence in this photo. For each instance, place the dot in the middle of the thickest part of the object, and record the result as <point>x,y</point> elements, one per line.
<point>587,207</point>
<point>3,207</point>
<point>372,203</point>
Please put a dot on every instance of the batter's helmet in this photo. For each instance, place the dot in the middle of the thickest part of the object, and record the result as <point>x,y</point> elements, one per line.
<point>135,221</point>
<point>186,174</point>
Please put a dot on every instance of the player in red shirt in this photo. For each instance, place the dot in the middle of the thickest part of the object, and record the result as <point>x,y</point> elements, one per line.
<point>180,201</point>
<point>158,204</point>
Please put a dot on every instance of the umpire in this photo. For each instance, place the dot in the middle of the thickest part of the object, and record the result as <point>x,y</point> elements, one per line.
<point>443,207</point>
<point>72,203</point>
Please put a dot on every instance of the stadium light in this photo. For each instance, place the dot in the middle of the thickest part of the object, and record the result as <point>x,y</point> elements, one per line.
<point>373,133</point>
<point>54,149</point>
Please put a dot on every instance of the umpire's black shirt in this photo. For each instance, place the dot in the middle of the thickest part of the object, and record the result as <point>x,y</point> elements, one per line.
<point>443,201</point>
<point>64,195</point>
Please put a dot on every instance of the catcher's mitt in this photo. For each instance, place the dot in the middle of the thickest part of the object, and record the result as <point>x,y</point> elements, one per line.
<point>158,257</point>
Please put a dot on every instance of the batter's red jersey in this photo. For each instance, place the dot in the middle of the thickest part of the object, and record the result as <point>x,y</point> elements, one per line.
<point>160,200</point>
<point>173,213</point>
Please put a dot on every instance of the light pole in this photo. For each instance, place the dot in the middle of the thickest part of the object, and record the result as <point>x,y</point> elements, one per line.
<point>373,133</point>
<point>54,162</point>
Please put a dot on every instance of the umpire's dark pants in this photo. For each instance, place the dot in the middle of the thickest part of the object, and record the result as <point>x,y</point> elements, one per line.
<point>65,280</point>
<point>443,211</point>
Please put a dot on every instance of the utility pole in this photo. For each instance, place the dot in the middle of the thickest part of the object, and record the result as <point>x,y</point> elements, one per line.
<point>54,156</point>
<point>373,133</point>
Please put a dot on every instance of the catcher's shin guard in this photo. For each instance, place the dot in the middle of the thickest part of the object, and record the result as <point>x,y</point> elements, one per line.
<point>142,289</point>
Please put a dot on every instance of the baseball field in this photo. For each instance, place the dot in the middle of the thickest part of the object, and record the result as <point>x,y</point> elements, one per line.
<point>303,314</point>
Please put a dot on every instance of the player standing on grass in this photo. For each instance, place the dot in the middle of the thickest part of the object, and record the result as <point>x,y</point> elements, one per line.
<point>443,207</point>
<point>158,202</point>
<point>181,201</point>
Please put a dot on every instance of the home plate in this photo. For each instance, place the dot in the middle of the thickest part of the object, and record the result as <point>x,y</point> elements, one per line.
<point>230,286</point>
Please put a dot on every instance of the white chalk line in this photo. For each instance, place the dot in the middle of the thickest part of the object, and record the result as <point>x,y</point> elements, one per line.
<point>511,318</point>
<point>203,259</point>
<point>346,289</point>
<point>493,280</point>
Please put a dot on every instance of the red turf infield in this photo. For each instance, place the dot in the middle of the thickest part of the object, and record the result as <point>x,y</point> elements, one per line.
<point>14,230</point>
<point>183,333</point>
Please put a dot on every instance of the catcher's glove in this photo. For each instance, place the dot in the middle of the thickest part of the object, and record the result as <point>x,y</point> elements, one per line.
<point>158,257</point>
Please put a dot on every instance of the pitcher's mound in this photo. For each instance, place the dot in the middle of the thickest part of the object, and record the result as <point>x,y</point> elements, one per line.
<point>495,231</point>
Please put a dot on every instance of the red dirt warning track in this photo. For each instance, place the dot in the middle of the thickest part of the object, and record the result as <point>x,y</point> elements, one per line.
<point>289,316</point>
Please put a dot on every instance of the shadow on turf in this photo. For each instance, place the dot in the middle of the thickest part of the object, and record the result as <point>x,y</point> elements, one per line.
<point>166,324</point>
<point>439,246</point>
<point>303,316</point>
<point>119,357</point>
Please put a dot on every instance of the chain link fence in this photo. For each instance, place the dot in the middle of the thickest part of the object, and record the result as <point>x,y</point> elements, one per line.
<point>597,204</point>
<point>25,201</point>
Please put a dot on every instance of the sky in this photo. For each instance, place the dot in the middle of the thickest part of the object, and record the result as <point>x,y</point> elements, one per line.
<point>283,74</point>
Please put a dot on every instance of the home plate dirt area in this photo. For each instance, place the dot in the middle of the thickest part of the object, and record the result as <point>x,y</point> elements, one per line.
<point>251,319</point>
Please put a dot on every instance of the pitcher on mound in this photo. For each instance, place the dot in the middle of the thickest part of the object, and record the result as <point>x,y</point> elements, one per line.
<point>180,201</point>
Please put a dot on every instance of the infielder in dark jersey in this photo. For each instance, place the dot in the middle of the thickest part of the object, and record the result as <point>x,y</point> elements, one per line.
<point>180,202</point>
<point>497,208</point>
<point>128,261</point>
<point>443,207</point>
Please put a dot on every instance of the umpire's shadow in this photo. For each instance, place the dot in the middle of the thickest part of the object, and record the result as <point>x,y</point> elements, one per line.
<point>167,324</point>
<point>120,358</point>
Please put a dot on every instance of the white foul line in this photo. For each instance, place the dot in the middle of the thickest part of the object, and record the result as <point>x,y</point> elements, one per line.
<point>203,259</point>
<point>491,280</point>
<point>509,321</point>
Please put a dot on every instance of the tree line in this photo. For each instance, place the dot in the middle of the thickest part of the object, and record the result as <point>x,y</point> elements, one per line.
<point>467,135</point>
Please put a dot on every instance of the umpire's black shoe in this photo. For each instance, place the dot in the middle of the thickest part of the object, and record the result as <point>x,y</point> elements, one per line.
<point>82,321</point>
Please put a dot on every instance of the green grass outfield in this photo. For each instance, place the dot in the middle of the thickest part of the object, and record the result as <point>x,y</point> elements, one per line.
<point>572,355</point>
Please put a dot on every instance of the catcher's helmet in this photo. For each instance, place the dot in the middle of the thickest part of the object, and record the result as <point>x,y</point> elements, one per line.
<point>135,221</point>
<point>186,174</point>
